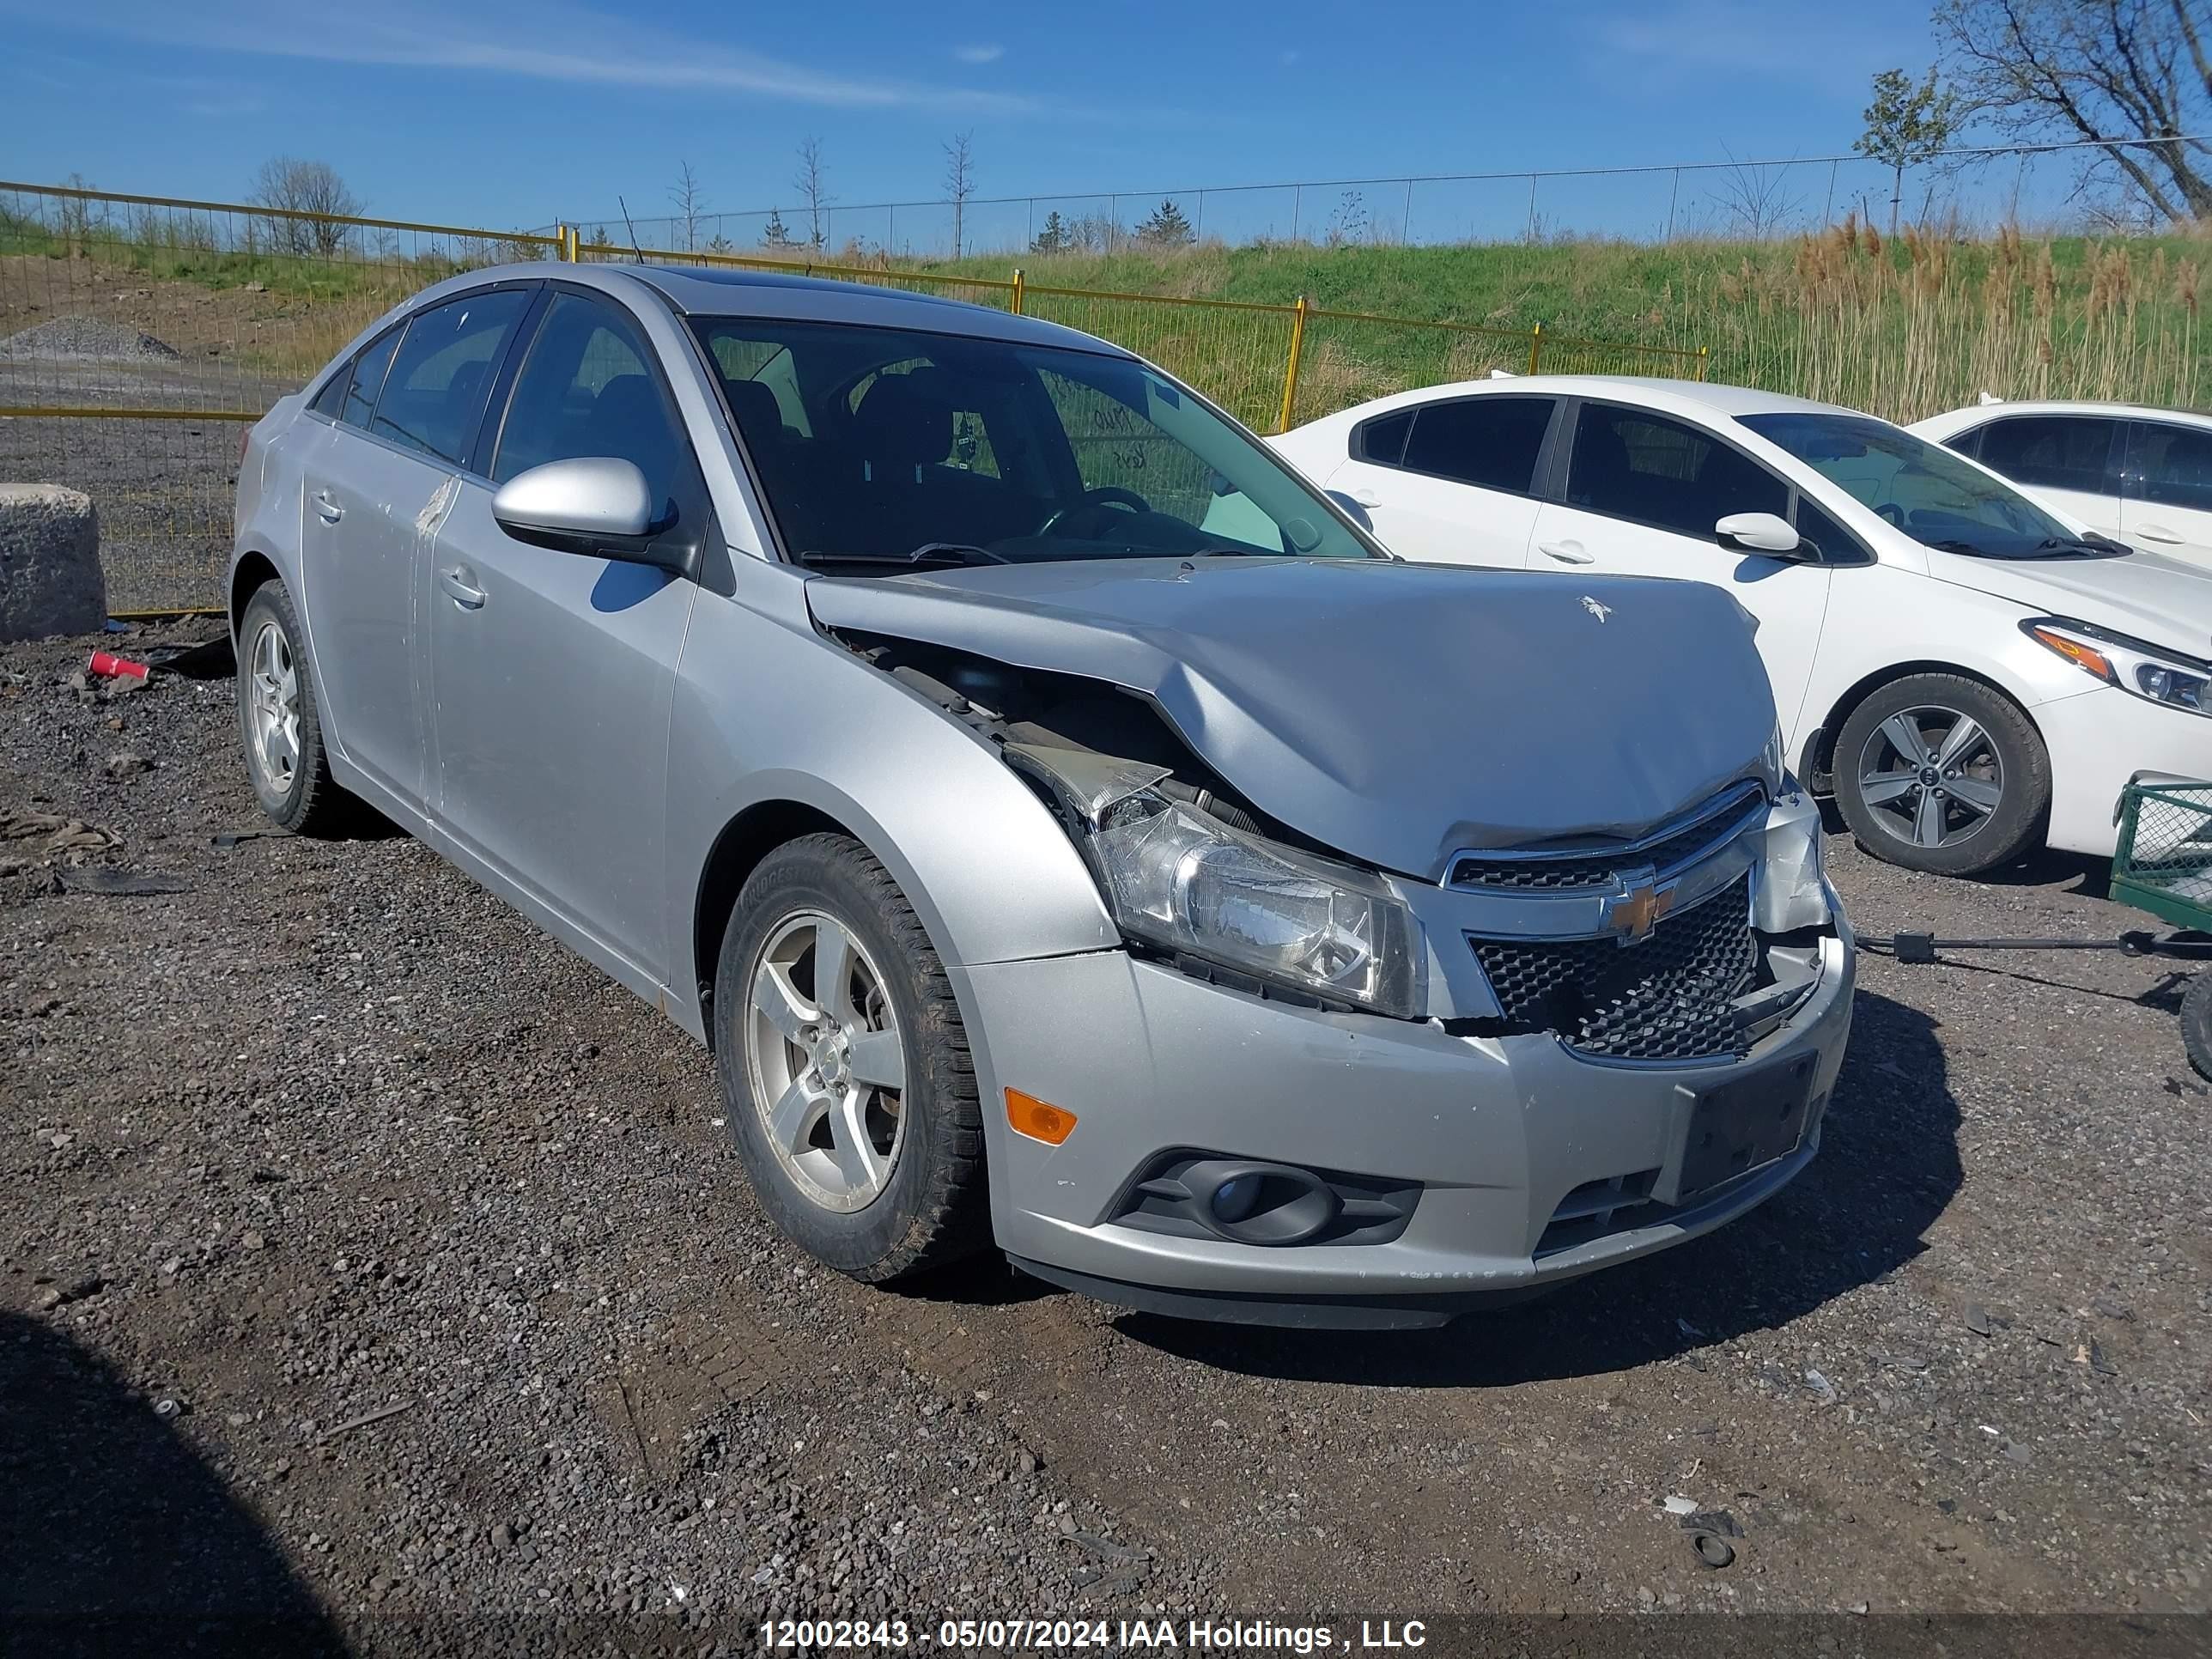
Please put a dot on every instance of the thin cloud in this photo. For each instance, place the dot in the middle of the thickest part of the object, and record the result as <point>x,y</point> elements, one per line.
<point>989,53</point>
<point>1690,39</point>
<point>557,41</point>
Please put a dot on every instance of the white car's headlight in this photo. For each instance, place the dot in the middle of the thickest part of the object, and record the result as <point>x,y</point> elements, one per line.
<point>2149,672</point>
<point>1182,880</point>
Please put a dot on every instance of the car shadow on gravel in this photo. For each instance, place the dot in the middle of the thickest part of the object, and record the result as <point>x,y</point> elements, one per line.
<point>1887,1167</point>
<point>118,1538</point>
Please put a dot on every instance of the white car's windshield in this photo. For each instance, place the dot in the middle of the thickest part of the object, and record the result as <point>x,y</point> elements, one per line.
<point>879,448</point>
<point>1930,494</point>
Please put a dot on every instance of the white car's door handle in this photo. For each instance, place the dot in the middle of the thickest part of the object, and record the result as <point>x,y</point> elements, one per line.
<point>1566,552</point>
<point>327,509</point>
<point>1367,498</point>
<point>460,582</point>
<point>2157,532</point>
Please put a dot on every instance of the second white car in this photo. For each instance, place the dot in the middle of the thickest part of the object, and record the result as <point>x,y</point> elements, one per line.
<point>1971,673</point>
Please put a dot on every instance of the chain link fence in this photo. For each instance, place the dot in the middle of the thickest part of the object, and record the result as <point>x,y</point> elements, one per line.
<point>139,336</point>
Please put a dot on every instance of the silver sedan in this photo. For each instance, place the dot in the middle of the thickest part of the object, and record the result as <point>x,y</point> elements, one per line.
<point>1067,829</point>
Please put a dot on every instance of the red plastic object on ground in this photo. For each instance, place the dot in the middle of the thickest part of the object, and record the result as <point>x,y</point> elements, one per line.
<point>115,667</point>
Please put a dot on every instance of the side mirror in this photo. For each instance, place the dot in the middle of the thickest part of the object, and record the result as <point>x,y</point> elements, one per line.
<point>1763,532</point>
<point>596,506</point>
<point>1352,510</point>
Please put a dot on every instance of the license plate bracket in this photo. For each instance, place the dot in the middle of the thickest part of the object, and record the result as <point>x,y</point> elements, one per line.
<point>1735,1128</point>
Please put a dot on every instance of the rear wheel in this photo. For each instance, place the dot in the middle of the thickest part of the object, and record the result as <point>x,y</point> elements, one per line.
<point>279,722</point>
<point>844,1068</point>
<point>1937,772</point>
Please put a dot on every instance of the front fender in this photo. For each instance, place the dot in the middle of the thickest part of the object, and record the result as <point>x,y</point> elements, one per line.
<point>767,710</point>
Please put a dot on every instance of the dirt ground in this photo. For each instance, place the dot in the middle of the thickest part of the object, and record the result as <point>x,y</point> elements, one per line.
<point>370,1265</point>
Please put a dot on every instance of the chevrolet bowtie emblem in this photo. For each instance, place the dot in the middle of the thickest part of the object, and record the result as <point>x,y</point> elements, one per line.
<point>1637,912</point>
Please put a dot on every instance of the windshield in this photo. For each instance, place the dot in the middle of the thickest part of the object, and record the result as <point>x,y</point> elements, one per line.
<point>1931,495</point>
<point>874,443</point>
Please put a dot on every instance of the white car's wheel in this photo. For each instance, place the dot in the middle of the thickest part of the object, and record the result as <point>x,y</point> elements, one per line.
<point>1937,772</point>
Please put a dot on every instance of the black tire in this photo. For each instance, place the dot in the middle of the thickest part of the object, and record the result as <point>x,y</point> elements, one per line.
<point>2196,1022</point>
<point>2013,758</point>
<point>307,801</point>
<point>932,1208</point>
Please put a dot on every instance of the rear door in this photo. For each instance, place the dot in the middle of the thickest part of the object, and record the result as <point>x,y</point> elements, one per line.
<point>1644,491</point>
<point>1452,482</point>
<point>2073,461</point>
<point>2168,480</point>
<point>552,674</point>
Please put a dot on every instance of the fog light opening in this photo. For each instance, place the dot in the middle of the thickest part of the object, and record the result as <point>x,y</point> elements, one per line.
<point>1235,1198</point>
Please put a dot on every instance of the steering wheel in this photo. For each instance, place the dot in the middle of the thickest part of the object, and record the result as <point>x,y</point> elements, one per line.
<point>1892,513</point>
<point>1104,496</point>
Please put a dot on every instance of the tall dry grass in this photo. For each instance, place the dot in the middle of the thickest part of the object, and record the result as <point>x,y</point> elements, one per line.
<point>1904,332</point>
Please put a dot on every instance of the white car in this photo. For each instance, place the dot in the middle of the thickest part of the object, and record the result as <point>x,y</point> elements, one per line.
<point>2141,475</point>
<point>1969,672</point>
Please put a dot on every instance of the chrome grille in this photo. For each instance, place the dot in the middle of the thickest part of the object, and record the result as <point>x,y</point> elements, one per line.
<point>1538,869</point>
<point>1668,998</point>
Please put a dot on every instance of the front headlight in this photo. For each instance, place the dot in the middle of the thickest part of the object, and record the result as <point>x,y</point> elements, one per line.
<point>2149,672</point>
<point>1185,881</point>
<point>1793,888</point>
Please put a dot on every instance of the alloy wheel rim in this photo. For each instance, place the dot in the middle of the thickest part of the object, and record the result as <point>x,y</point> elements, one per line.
<point>827,1062</point>
<point>1932,776</point>
<point>272,703</point>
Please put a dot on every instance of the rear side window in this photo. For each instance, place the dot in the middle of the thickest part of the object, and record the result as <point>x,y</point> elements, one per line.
<point>350,396</point>
<point>2056,452</point>
<point>2172,466</point>
<point>1646,468</point>
<point>1382,439</point>
<point>1490,441</point>
<point>434,395</point>
<point>589,387</point>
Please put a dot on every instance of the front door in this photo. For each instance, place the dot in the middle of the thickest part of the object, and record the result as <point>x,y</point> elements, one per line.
<point>2072,461</point>
<point>1644,493</point>
<point>2168,507</point>
<point>551,674</point>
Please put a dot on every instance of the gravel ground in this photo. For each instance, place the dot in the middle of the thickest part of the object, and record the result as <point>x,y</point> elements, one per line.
<point>474,1336</point>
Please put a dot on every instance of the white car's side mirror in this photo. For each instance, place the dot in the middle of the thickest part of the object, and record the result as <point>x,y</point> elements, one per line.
<point>1762,532</point>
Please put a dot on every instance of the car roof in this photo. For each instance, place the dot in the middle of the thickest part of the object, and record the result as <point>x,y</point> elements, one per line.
<point>735,291</point>
<point>1693,399</point>
<point>2000,406</point>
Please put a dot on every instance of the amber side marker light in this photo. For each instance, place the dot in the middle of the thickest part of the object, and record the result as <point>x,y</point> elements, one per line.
<point>1038,1120</point>
<point>2080,655</point>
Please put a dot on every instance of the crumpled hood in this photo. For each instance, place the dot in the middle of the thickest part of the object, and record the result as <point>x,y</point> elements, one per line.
<point>1395,712</point>
<point>2159,600</point>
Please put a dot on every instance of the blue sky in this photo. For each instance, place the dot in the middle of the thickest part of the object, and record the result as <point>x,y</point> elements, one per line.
<point>498,113</point>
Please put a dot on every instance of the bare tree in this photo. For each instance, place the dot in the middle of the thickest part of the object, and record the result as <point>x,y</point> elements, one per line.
<point>959,184</point>
<point>1755,199</point>
<point>689,202</point>
<point>812,186</point>
<point>291,185</point>
<point>2132,76</point>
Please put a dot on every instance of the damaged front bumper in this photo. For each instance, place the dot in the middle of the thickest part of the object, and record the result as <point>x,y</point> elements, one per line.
<point>1461,1162</point>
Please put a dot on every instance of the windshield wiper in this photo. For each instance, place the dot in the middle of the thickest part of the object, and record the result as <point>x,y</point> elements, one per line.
<point>2091,546</point>
<point>927,553</point>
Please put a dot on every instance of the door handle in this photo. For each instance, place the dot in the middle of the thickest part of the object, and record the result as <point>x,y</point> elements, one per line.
<point>326,508</point>
<point>2157,532</point>
<point>458,580</point>
<point>1566,552</point>
<point>1367,498</point>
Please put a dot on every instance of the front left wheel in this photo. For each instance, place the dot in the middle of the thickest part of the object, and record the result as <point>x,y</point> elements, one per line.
<point>845,1071</point>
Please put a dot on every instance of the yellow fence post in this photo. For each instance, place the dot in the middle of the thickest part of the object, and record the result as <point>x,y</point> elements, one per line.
<point>1018,291</point>
<point>1535,346</point>
<point>1704,359</point>
<point>1290,369</point>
